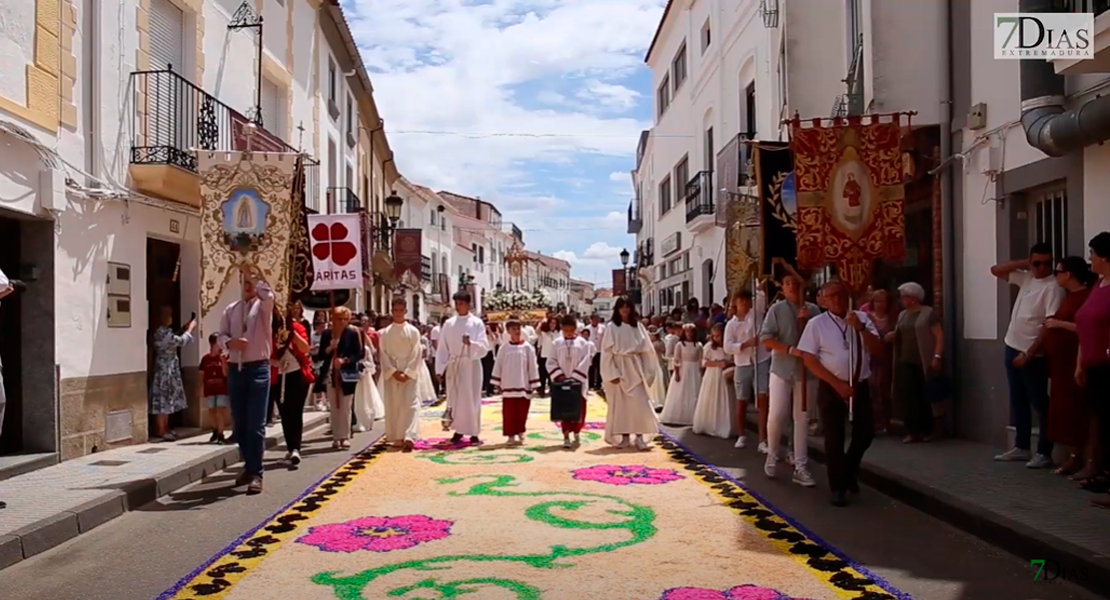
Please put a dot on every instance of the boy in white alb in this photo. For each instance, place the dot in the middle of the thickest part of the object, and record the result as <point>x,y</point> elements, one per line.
<point>570,358</point>
<point>516,373</point>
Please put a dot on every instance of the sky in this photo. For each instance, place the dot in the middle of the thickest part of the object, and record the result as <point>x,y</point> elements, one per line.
<point>533,105</point>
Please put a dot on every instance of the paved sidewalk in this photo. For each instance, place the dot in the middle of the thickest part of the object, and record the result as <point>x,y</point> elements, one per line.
<point>55,504</point>
<point>1027,512</point>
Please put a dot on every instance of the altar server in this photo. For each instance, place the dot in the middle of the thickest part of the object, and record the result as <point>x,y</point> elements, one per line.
<point>516,373</point>
<point>627,370</point>
<point>402,365</point>
<point>462,344</point>
<point>571,356</point>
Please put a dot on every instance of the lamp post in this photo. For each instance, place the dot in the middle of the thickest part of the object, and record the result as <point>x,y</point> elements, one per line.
<point>393,205</point>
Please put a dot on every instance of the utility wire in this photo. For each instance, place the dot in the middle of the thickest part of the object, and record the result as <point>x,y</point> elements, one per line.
<point>527,135</point>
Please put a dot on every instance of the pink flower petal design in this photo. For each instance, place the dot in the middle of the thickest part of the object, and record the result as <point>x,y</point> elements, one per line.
<point>626,475</point>
<point>741,592</point>
<point>690,593</point>
<point>377,534</point>
<point>440,445</point>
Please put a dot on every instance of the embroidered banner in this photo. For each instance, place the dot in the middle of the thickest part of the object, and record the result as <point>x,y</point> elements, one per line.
<point>620,282</point>
<point>774,182</point>
<point>850,194</point>
<point>300,251</point>
<point>246,217</point>
<point>336,251</point>
<point>729,169</point>
<point>406,253</point>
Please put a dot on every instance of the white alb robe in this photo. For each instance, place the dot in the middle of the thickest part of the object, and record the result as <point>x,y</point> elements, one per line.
<point>461,365</point>
<point>516,371</point>
<point>571,359</point>
<point>627,355</point>
<point>401,352</point>
<point>368,400</point>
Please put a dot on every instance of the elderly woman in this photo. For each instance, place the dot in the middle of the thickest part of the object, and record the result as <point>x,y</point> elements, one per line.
<point>167,394</point>
<point>918,346</point>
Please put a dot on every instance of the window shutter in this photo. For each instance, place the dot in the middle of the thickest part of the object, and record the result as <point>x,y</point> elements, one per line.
<point>271,108</point>
<point>167,36</point>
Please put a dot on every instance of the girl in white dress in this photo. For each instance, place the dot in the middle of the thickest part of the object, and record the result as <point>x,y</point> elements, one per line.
<point>682,395</point>
<point>713,414</point>
<point>628,366</point>
<point>368,400</point>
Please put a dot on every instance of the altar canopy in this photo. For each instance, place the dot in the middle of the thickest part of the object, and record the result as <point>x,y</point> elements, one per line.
<point>247,216</point>
<point>851,198</point>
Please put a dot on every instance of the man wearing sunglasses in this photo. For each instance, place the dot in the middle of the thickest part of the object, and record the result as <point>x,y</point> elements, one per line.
<point>1038,298</point>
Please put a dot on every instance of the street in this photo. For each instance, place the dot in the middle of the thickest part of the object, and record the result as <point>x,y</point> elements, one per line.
<point>679,531</point>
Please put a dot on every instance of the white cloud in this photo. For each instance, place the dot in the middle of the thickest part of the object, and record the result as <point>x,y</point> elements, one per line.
<point>450,66</point>
<point>613,220</point>
<point>620,176</point>
<point>609,96</point>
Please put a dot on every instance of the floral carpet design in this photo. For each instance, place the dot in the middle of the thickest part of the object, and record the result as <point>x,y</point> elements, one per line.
<point>529,522</point>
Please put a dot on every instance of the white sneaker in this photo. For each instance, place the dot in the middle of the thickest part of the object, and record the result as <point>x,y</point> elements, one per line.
<point>769,466</point>
<point>1014,455</point>
<point>577,440</point>
<point>566,442</point>
<point>741,442</point>
<point>1039,461</point>
<point>762,448</point>
<point>803,478</point>
<point>294,457</point>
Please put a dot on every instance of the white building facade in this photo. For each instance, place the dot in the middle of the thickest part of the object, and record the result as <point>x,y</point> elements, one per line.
<point>101,106</point>
<point>426,211</point>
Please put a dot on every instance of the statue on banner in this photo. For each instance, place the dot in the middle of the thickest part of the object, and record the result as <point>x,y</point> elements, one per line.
<point>244,220</point>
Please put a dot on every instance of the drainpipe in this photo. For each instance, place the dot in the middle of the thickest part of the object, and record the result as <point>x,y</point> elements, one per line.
<point>948,216</point>
<point>1048,126</point>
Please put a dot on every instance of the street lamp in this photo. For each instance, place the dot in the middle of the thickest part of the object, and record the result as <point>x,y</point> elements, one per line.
<point>624,257</point>
<point>393,205</point>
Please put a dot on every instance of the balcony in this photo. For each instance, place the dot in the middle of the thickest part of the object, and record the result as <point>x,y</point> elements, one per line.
<point>635,218</point>
<point>1100,39</point>
<point>700,209</point>
<point>426,269</point>
<point>172,119</point>
<point>342,200</point>
<point>851,102</point>
<point>647,253</point>
<point>441,289</point>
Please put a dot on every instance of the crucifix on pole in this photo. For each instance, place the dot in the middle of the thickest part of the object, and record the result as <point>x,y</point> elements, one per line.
<point>246,18</point>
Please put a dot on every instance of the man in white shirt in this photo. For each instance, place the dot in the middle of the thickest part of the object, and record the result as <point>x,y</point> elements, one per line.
<point>753,364</point>
<point>1038,298</point>
<point>836,346</point>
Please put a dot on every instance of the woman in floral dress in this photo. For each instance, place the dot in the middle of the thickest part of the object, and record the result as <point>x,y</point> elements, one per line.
<point>167,394</point>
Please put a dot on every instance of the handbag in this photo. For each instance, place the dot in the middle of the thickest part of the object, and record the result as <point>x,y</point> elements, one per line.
<point>566,401</point>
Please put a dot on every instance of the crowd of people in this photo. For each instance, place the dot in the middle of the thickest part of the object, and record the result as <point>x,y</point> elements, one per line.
<point>810,367</point>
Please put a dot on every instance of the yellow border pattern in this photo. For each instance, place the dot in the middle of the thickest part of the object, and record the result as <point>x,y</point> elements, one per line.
<point>215,581</point>
<point>51,75</point>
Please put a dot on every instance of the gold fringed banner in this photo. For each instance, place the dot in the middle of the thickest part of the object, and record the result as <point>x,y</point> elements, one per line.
<point>246,217</point>
<point>300,250</point>
<point>851,196</point>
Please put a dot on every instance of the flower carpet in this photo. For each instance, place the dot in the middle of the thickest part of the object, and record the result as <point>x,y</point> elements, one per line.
<point>532,522</point>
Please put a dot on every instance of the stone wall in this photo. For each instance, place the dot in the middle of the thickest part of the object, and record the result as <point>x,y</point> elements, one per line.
<point>85,404</point>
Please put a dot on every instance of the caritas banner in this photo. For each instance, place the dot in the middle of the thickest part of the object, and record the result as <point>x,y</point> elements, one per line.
<point>336,252</point>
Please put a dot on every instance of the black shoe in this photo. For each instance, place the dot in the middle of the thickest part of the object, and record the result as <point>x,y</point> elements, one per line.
<point>230,439</point>
<point>215,437</point>
<point>839,499</point>
<point>456,438</point>
<point>474,441</point>
<point>3,504</point>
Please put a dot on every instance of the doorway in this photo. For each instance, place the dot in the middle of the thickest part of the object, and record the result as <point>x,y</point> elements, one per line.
<point>163,288</point>
<point>11,436</point>
<point>707,273</point>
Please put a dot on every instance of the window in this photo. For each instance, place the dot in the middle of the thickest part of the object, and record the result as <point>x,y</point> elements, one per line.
<point>747,111</point>
<point>709,150</point>
<point>854,17</point>
<point>435,263</point>
<point>665,196</point>
<point>681,178</point>
<point>167,36</point>
<point>678,66</point>
<point>432,217</point>
<point>350,116</point>
<point>663,96</point>
<point>706,36</point>
<point>1050,221</point>
<point>481,257</point>
<point>443,261</point>
<point>272,114</point>
<point>331,81</point>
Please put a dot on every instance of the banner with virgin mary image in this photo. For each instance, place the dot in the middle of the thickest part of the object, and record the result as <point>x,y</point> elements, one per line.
<point>247,216</point>
<point>851,197</point>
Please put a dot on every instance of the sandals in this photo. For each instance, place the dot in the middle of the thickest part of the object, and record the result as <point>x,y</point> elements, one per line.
<point>1069,467</point>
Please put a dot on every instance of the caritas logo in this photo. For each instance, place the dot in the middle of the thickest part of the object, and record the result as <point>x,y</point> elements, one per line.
<point>335,250</point>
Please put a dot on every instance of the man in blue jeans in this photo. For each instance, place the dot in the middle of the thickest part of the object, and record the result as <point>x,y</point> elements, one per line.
<point>1026,368</point>
<point>246,332</point>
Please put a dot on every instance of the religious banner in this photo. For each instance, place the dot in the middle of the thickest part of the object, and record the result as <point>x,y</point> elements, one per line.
<point>260,140</point>
<point>850,194</point>
<point>728,180</point>
<point>620,282</point>
<point>406,253</point>
<point>774,182</point>
<point>247,216</point>
<point>336,252</point>
<point>300,251</point>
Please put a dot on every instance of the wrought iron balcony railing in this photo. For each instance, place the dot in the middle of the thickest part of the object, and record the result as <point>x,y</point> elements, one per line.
<point>1086,6</point>
<point>851,102</point>
<point>342,200</point>
<point>426,268</point>
<point>173,118</point>
<point>699,196</point>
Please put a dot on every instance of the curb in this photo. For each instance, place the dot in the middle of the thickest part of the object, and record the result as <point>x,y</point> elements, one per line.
<point>57,529</point>
<point>1016,538</point>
